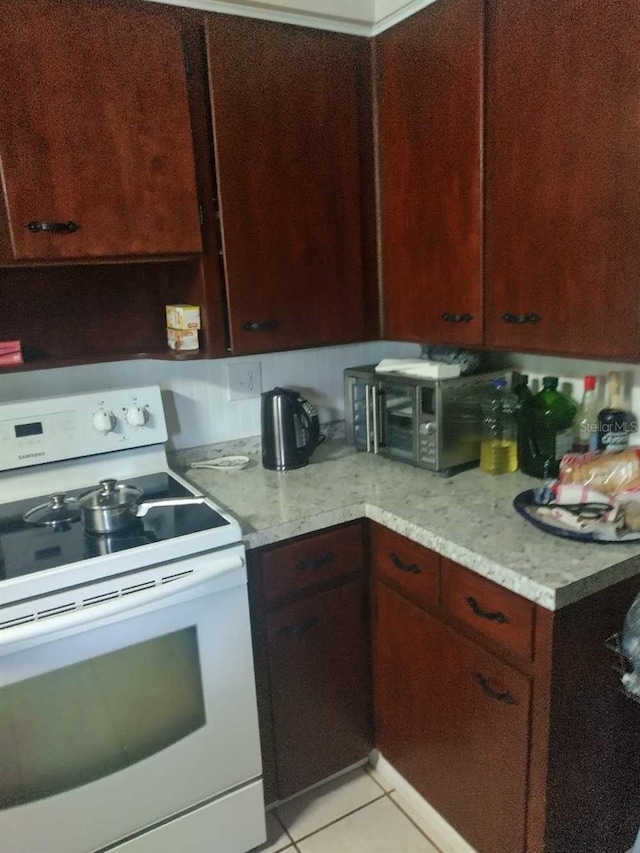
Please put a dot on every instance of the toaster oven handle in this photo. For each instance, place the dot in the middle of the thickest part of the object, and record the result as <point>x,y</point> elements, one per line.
<point>376,416</point>
<point>367,415</point>
<point>43,630</point>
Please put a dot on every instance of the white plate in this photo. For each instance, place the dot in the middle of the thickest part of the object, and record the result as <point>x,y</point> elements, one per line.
<point>223,463</point>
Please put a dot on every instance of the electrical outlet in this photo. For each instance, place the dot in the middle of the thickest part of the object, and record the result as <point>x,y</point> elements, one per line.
<point>244,380</point>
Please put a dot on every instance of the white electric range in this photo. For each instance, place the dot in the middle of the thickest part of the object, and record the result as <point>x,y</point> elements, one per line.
<point>128,714</point>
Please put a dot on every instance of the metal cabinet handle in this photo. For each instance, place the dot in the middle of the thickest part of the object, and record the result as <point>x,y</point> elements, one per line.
<point>411,568</point>
<point>499,696</point>
<point>54,227</point>
<point>509,317</point>
<point>456,318</point>
<point>492,616</point>
<point>261,326</point>
<point>299,630</point>
<point>313,563</point>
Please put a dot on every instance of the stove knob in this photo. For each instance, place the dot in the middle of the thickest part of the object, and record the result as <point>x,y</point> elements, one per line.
<point>137,416</point>
<point>103,421</point>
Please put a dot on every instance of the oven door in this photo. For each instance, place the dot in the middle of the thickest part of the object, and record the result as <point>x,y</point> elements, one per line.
<point>399,408</point>
<point>132,708</point>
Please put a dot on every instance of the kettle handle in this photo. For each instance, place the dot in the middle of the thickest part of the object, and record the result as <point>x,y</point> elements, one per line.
<point>312,426</point>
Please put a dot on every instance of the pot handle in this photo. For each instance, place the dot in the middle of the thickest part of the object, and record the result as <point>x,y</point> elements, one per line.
<point>143,508</point>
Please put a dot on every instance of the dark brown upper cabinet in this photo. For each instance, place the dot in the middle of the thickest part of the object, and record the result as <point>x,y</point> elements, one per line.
<point>562,162</point>
<point>96,150</point>
<point>429,79</point>
<point>290,116</point>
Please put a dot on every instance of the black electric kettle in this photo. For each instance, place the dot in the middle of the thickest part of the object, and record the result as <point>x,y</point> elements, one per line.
<point>290,430</point>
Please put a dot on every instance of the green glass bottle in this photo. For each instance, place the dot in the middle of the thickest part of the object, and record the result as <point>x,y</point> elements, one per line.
<point>551,414</point>
<point>527,446</point>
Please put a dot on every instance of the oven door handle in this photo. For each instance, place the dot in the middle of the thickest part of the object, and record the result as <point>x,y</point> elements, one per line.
<point>33,633</point>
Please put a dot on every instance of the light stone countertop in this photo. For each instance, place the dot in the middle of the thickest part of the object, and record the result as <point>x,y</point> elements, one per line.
<point>468,517</point>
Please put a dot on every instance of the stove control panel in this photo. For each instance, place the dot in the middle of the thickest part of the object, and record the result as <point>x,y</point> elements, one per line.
<point>33,432</point>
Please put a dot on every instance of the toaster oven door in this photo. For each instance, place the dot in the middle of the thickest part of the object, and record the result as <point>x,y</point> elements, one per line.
<point>399,403</point>
<point>364,421</point>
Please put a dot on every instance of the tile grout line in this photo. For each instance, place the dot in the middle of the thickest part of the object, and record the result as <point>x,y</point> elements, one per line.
<point>411,820</point>
<point>286,831</point>
<point>338,819</point>
<point>371,776</point>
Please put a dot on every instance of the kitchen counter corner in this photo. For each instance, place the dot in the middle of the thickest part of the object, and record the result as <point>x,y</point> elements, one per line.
<point>468,518</point>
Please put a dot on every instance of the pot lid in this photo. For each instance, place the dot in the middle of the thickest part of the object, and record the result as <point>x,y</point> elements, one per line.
<point>110,495</point>
<point>59,510</point>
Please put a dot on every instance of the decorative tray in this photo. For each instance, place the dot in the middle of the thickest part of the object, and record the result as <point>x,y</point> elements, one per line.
<point>529,504</point>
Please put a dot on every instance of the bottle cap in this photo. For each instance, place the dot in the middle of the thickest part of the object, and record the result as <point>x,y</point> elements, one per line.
<point>589,383</point>
<point>550,382</point>
<point>499,383</point>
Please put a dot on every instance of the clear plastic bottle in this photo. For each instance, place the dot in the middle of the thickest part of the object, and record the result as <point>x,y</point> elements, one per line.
<point>499,446</point>
<point>585,423</point>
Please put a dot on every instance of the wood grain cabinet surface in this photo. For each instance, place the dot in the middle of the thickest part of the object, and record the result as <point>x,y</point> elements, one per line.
<point>429,90</point>
<point>96,150</point>
<point>562,163</point>
<point>454,720</point>
<point>289,133</point>
<point>505,716</point>
<point>312,653</point>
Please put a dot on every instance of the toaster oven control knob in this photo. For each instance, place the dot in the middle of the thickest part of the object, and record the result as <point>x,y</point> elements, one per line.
<point>428,429</point>
<point>137,416</point>
<point>104,421</point>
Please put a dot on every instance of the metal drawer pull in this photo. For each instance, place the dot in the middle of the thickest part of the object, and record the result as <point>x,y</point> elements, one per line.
<point>292,630</point>
<point>498,695</point>
<point>55,227</point>
<point>261,326</point>
<point>508,317</point>
<point>315,562</point>
<point>404,567</point>
<point>492,616</point>
<point>456,318</point>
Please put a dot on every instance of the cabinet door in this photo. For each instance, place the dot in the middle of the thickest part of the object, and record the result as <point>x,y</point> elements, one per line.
<point>285,102</point>
<point>454,721</point>
<point>429,82</point>
<point>320,685</point>
<point>95,138</point>
<point>562,174</point>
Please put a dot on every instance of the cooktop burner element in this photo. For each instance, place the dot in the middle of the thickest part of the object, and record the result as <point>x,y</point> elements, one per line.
<point>26,548</point>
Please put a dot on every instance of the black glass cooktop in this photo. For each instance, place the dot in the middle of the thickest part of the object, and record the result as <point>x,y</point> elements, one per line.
<point>26,548</point>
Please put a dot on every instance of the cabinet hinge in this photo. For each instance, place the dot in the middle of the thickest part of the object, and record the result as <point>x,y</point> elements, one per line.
<point>201,213</point>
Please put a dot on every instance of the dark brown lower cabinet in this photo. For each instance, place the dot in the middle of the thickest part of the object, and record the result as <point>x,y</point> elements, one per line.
<point>318,661</point>
<point>312,657</point>
<point>453,720</point>
<point>505,716</point>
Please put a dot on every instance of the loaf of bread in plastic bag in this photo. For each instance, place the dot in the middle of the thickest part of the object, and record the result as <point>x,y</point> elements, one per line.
<point>609,473</point>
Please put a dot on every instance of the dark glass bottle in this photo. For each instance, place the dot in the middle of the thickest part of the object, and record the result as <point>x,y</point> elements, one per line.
<point>527,446</point>
<point>614,428</point>
<point>552,415</point>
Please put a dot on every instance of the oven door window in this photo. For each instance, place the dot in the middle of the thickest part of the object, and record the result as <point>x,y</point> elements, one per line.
<point>80,723</point>
<point>399,418</point>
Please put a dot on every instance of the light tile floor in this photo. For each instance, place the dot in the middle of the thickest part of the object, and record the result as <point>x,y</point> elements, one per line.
<point>353,814</point>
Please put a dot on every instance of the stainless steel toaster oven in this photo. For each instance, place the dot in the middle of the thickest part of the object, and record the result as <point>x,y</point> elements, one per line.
<point>432,423</point>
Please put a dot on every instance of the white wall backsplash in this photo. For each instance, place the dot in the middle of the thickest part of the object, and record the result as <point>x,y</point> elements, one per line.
<point>571,373</point>
<point>195,392</point>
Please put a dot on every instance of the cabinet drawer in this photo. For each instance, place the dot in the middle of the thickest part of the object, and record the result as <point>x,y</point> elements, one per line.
<point>306,562</point>
<point>492,611</point>
<point>407,566</point>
